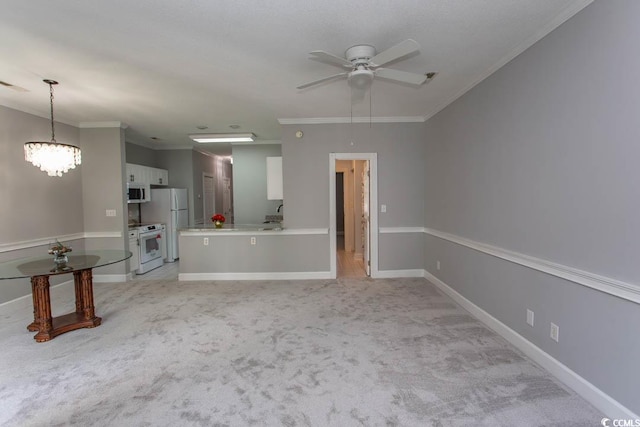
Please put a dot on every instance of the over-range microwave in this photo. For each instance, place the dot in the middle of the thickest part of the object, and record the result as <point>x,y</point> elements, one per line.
<point>138,192</point>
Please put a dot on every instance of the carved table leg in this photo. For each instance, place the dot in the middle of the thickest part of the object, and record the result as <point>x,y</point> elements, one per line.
<point>42,308</point>
<point>84,280</point>
<point>77,280</point>
<point>33,326</point>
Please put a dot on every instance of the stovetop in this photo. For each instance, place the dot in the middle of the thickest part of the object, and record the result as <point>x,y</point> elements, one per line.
<point>145,227</point>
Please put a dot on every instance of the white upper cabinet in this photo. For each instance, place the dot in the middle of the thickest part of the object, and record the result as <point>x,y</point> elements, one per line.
<point>147,175</point>
<point>274,178</point>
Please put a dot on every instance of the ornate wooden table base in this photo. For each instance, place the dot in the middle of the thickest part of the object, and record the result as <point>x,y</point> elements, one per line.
<point>49,327</point>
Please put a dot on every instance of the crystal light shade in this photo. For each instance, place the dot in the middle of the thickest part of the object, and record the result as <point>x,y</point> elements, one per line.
<point>53,158</point>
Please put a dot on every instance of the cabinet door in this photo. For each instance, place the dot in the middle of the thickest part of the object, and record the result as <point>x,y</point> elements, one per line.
<point>135,173</point>
<point>164,177</point>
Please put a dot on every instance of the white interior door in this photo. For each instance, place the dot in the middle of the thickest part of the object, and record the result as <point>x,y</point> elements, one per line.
<point>226,199</point>
<point>208,197</point>
<point>366,221</point>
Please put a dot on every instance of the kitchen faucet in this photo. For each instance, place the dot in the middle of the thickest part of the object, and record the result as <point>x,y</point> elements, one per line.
<point>280,207</point>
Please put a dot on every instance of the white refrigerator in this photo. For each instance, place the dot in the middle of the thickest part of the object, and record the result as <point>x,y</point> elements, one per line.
<point>168,206</point>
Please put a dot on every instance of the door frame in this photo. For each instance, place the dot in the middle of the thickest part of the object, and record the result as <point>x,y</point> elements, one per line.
<point>373,209</point>
<point>205,218</point>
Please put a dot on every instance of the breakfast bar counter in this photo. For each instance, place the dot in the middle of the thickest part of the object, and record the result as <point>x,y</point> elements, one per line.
<point>253,251</point>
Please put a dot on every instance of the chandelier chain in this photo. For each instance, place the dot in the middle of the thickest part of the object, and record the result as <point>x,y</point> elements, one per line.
<point>53,131</point>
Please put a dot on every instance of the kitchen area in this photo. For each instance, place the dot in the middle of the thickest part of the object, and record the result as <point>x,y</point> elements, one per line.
<point>155,214</point>
<point>173,190</point>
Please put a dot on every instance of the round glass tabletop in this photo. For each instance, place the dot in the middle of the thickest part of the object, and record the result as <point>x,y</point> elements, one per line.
<point>44,265</point>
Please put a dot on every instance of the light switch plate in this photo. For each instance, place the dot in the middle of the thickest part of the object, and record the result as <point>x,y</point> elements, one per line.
<point>383,208</point>
<point>111,212</point>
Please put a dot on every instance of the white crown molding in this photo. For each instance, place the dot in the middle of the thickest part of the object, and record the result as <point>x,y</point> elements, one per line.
<point>558,20</point>
<point>88,125</point>
<point>174,147</point>
<point>618,288</point>
<point>584,388</point>
<point>335,120</point>
<point>256,142</point>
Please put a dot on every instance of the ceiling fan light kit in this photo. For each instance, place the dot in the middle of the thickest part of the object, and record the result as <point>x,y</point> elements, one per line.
<point>223,137</point>
<point>365,65</point>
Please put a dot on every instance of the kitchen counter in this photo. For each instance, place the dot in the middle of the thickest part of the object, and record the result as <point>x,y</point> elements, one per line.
<point>236,229</point>
<point>253,251</point>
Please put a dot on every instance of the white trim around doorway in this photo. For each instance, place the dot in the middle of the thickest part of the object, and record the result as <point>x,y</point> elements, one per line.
<point>373,208</point>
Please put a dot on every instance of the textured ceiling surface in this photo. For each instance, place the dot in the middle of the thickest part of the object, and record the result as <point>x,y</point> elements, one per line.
<point>164,67</point>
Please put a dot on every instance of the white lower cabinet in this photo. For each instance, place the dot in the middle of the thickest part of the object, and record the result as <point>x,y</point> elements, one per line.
<point>134,261</point>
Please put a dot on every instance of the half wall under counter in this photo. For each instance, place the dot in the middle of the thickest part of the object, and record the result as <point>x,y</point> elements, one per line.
<point>253,252</point>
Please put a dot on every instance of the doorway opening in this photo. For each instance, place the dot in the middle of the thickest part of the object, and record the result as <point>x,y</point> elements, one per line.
<point>353,197</point>
<point>208,197</point>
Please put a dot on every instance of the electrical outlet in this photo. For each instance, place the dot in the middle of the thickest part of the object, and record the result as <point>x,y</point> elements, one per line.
<point>437,265</point>
<point>383,208</point>
<point>205,241</point>
<point>529,317</point>
<point>555,332</point>
<point>111,212</point>
<point>253,241</point>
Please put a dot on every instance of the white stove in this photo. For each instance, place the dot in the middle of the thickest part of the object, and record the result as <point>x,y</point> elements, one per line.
<point>151,240</point>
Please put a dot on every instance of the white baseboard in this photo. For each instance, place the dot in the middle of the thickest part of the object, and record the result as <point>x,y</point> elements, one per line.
<point>605,403</point>
<point>390,274</point>
<point>110,278</point>
<point>303,275</point>
<point>26,301</point>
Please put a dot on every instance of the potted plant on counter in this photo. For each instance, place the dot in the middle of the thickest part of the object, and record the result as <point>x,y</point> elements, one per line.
<point>218,220</point>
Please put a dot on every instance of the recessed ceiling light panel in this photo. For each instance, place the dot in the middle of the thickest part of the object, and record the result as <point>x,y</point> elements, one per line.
<point>223,137</point>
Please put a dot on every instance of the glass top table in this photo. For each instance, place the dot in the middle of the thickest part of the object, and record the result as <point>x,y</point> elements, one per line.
<point>44,265</point>
<point>39,268</point>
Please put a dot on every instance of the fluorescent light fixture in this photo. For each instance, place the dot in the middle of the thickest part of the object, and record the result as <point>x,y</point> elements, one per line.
<point>223,137</point>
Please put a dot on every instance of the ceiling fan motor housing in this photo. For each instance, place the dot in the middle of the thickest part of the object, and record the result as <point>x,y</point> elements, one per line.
<point>360,53</point>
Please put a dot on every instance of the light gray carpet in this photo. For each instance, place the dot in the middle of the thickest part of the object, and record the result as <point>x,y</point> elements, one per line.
<point>352,352</point>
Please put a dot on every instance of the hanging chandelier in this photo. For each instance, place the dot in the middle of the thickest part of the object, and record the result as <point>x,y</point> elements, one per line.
<point>52,157</point>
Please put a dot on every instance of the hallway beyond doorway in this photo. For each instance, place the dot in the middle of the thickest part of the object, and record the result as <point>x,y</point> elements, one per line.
<point>348,266</point>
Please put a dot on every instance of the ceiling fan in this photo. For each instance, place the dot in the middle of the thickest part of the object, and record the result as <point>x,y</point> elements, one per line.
<point>365,64</point>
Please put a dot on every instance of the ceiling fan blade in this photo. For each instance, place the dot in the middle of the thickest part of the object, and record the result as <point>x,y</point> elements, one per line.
<point>398,51</point>
<point>335,76</point>
<point>333,59</point>
<point>401,76</point>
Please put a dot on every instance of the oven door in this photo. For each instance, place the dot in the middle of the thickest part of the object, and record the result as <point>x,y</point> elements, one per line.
<point>150,248</point>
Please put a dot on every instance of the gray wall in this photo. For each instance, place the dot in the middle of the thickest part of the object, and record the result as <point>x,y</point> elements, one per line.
<point>103,187</point>
<point>541,159</point>
<point>140,155</point>
<point>179,163</point>
<point>34,203</point>
<point>35,206</point>
<point>401,170</point>
<point>250,204</point>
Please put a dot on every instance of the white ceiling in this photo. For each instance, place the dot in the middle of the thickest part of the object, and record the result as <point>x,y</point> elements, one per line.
<point>165,67</point>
